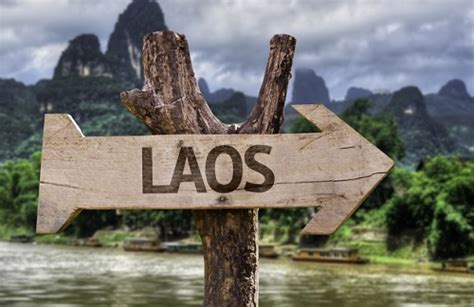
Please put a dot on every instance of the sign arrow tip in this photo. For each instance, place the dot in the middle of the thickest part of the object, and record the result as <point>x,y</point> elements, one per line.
<point>333,212</point>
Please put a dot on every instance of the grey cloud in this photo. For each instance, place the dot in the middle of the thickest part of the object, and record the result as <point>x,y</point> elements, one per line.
<point>374,44</point>
<point>342,40</point>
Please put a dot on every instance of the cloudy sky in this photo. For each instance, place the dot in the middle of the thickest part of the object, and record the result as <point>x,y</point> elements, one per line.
<point>376,44</point>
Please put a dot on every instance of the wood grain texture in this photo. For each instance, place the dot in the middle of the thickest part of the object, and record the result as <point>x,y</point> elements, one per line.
<point>170,103</point>
<point>334,170</point>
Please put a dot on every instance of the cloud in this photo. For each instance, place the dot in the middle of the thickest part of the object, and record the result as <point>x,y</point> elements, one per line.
<point>373,44</point>
<point>33,33</point>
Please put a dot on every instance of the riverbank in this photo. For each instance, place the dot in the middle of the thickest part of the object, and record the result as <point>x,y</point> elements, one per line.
<point>375,252</point>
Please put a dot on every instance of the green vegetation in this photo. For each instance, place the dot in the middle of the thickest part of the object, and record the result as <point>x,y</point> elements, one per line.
<point>282,225</point>
<point>427,213</point>
<point>19,183</point>
<point>377,252</point>
<point>172,224</point>
<point>435,205</point>
<point>18,106</point>
<point>381,131</point>
<point>60,239</point>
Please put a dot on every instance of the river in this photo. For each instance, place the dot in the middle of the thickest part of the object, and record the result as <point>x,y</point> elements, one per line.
<point>44,275</point>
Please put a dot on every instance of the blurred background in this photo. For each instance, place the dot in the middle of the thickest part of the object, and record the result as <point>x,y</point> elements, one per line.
<point>399,72</point>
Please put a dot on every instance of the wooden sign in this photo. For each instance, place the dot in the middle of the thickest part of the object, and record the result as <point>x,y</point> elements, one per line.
<point>334,171</point>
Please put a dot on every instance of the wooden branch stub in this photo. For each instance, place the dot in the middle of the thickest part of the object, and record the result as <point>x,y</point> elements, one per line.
<point>170,101</point>
<point>267,115</point>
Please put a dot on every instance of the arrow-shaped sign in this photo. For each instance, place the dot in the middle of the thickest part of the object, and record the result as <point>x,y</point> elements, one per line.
<point>334,170</point>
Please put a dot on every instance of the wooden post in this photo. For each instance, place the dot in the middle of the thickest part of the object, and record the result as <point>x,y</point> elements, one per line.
<point>171,103</point>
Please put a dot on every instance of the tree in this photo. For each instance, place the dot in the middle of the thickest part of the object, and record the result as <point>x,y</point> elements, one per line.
<point>452,232</point>
<point>19,183</point>
<point>412,212</point>
<point>436,205</point>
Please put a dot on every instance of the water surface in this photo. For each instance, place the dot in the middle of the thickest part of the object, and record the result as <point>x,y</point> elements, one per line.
<point>43,275</point>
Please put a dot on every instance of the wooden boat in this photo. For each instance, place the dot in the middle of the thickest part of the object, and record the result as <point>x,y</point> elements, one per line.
<point>21,239</point>
<point>331,255</point>
<point>267,251</point>
<point>455,266</point>
<point>142,245</point>
<point>89,242</point>
<point>183,248</point>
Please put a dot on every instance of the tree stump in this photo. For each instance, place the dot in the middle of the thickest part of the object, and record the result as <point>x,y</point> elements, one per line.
<point>171,103</point>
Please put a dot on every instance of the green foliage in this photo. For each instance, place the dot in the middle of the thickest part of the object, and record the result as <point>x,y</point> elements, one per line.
<point>412,212</point>
<point>302,125</point>
<point>85,98</point>
<point>374,218</point>
<point>283,225</point>
<point>106,119</point>
<point>379,130</point>
<point>383,133</point>
<point>172,224</point>
<point>68,94</point>
<point>19,183</point>
<point>441,169</point>
<point>436,202</point>
<point>29,146</point>
<point>342,235</point>
<point>18,108</point>
<point>452,235</point>
<point>377,252</point>
<point>89,221</point>
<point>232,110</point>
<point>7,231</point>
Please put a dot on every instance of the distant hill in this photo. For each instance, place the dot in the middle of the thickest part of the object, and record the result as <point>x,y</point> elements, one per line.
<point>122,60</point>
<point>423,136</point>
<point>441,123</point>
<point>308,88</point>
<point>354,93</point>
<point>83,58</point>
<point>229,105</point>
<point>453,107</point>
<point>216,97</point>
<point>126,41</point>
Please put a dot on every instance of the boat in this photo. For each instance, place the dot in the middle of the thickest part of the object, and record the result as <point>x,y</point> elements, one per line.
<point>183,248</point>
<point>21,239</point>
<point>267,251</point>
<point>142,245</point>
<point>455,266</point>
<point>88,242</point>
<point>330,255</point>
